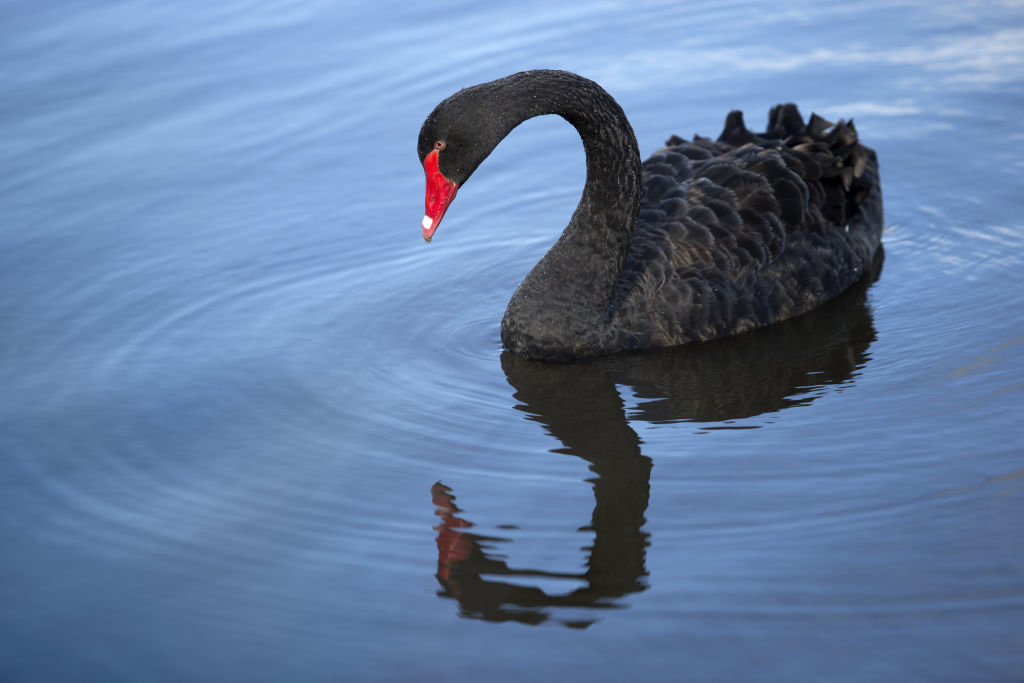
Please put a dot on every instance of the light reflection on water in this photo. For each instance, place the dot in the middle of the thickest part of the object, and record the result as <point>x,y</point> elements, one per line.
<point>236,380</point>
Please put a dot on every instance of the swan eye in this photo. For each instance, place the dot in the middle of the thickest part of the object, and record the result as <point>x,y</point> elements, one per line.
<point>439,145</point>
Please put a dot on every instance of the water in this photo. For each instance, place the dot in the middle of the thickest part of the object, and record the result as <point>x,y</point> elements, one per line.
<point>254,429</point>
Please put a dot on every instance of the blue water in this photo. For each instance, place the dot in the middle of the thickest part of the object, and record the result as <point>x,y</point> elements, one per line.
<point>252,428</point>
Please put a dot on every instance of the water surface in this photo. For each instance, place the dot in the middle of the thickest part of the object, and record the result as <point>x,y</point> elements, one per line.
<point>254,429</point>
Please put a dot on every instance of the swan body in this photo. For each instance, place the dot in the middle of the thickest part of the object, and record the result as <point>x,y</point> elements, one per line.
<point>704,239</point>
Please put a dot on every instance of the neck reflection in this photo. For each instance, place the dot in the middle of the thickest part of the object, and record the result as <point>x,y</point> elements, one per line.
<point>787,364</point>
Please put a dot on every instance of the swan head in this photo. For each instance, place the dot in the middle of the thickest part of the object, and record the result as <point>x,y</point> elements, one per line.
<point>454,140</point>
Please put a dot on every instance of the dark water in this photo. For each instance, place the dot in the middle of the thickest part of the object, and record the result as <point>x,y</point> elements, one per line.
<point>253,429</point>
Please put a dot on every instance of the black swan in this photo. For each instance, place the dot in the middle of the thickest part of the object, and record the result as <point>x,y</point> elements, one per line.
<point>704,239</point>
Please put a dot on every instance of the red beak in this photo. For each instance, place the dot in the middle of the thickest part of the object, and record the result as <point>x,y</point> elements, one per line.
<point>440,193</point>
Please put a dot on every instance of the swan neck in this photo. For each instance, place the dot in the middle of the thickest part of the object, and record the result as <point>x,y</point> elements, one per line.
<point>601,227</point>
<point>562,307</point>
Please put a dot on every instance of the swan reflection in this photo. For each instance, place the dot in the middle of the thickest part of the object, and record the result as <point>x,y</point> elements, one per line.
<point>579,404</point>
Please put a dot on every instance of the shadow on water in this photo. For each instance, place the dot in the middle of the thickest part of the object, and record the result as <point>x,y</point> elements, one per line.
<point>579,404</point>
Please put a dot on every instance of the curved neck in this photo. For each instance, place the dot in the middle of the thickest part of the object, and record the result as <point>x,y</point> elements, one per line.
<point>607,210</point>
<point>581,269</point>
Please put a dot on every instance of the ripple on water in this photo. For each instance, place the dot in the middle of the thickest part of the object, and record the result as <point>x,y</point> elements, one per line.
<point>192,393</point>
<point>213,398</point>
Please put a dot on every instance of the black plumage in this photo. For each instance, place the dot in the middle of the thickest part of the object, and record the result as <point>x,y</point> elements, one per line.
<point>704,239</point>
